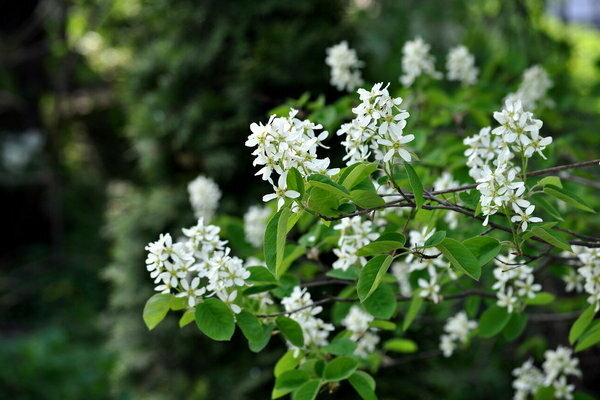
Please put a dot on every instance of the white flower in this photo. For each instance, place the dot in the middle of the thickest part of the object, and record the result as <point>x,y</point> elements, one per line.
<point>534,143</point>
<point>314,329</point>
<point>354,234</point>
<point>229,298</point>
<point>357,321</point>
<point>562,390</point>
<point>524,217</point>
<point>533,88</point>
<point>344,63</point>
<point>528,380</point>
<point>430,289</point>
<point>281,192</point>
<point>255,224</point>
<point>396,143</point>
<point>378,125</point>
<point>461,66</point>
<point>447,345</point>
<point>417,61</point>
<point>204,197</point>
<point>458,329</point>
<point>197,266</point>
<point>191,291</point>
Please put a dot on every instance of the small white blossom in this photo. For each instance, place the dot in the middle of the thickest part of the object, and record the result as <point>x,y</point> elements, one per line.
<point>417,61</point>
<point>255,224</point>
<point>204,197</point>
<point>457,331</point>
<point>461,66</point>
<point>344,63</point>
<point>534,86</point>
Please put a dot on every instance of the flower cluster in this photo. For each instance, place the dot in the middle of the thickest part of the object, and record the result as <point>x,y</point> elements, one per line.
<point>198,265</point>
<point>285,143</point>
<point>514,284</point>
<point>344,63</point>
<point>461,66</point>
<point>354,234</point>
<point>587,277</point>
<point>490,156</point>
<point>255,224</point>
<point>377,129</point>
<point>357,322</point>
<point>533,88</point>
<point>458,329</point>
<point>204,197</point>
<point>558,365</point>
<point>417,61</point>
<point>314,329</point>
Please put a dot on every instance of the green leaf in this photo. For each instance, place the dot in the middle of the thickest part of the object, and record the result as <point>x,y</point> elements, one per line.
<point>350,274</point>
<point>371,275</point>
<point>413,310</point>
<point>322,202</point>
<point>460,257</point>
<point>178,303</point>
<point>492,321</point>
<point>381,303</point>
<point>568,198</point>
<point>551,180</point>
<point>294,181</point>
<point>435,239</point>
<point>399,345</point>
<point>307,391</point>
<point>156,309</point>
<point>515,326</point>
<point>580,325</point>
<point>270,241</point>
<point>366,199</point>
<point>383,325</point>
<point>364,385</point>
<point>187,317</point>
<point>341,347</point>
<point>325,183</point>
<point>291,380</point>
<point>470,198</point>
<point>544,393</point>
<point>540,299</point>
<point>291,254</point>
<point>384,244</point>
<point>261,275</point>
<point>275,237</point>
<point>472,305</point>
<point>215,319</point>
<point>286,362</point>
<point>339,368</point>
<point>250,326</point>
<point>590,337</point>
<point>549,207</point>
<point>484,248</point>
<point>415,184</point>
<point>357,173</point>
<point>259,345</point>
<point>291,330</point>
<point>551,238</point>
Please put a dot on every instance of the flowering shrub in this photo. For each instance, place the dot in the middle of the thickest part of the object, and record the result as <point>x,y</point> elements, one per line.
<point>384,234</point>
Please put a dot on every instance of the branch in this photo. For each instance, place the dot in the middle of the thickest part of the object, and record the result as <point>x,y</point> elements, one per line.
<point>354,300</point>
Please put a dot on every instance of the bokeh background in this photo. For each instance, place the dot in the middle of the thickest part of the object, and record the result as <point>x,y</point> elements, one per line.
<point>108,108</point>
